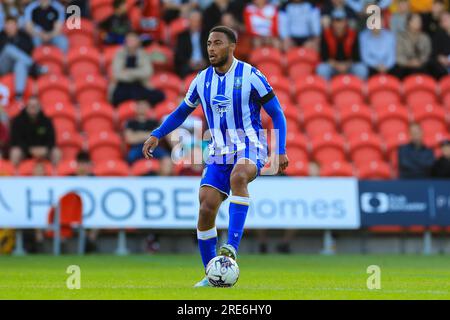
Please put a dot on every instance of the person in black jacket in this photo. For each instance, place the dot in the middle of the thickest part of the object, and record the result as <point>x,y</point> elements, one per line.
<point>190,52</point>
<point>32,134</point>
<point>415,159</point>
<point>440,61</point>
<point>441,168</point>
<point>16,48</point>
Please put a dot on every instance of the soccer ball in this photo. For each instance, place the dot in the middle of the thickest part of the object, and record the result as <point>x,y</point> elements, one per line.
<point>222,271</point>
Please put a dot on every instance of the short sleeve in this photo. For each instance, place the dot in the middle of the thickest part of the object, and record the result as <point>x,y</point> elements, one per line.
<point>260,85</point>
<point>192,98</point>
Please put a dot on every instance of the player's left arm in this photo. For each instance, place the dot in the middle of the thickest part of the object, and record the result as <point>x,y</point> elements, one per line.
<point>271,104</point>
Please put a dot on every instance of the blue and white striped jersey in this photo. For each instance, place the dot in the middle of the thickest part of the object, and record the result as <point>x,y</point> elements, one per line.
<point>231,103</point>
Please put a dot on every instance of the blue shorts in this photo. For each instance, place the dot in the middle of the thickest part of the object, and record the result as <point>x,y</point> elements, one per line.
<point>218,169</point>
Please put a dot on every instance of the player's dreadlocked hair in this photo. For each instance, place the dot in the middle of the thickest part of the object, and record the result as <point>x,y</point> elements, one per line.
<point>231,35</point>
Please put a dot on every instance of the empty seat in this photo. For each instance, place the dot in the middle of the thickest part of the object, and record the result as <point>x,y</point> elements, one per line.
<point>328,147</point>
<point>336,169</point>
<point>297,167</point>
<point>392,119</point>
<point>383,90</point>
<point>168,82</point>
<point>54,88</point>
<point>292,116</point>
<point>97,116</point>
<point>432,118</point>
<point>162,57</point>
<point>83,36</point>
<point>301,61</point>
<point>280,85</point>
<point>50,56</point>
<point>109,53</point>
<point>145,167</point>
<point>63,115</point>
<point>70,143</point>
<point>91,88</point>
<point>8,80</point>
<point>434,139</point>
<point>101,9</point>
<point>419,89</point>
<point>365,148</point>
<point>115,167</point>
<point>6,168</point>
<point>374,170</point>
<point>27,167</point>
<point>355,119</point>
<point>14,108</point>
<point>318,119</point>
<point>266,56</point>
<point>444,86</point>
<point>311,90</point>
<point>84,60</point>
<point>126,111</point>
<point>347,90</point>
<point>165,108</point>
<point>104,145</point>
<point>67,168</point>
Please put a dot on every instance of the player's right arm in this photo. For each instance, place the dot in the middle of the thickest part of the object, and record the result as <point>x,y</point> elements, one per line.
<point>173,121</point>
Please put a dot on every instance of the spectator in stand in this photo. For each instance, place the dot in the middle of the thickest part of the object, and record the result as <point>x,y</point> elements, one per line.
<point>340,49</point>
<point>378,50</point>
<point>136,132</point>
<point>15,55</point>
<point>12,8</point>
<point>190,50</point>
<point>173,9</point>
<point>132,68</point>
<point>441,168</point>
<point>117,25</point>
<point>413,48</point>
<point>333,5</point>
<point>300,24</point>
<point>44,21</point>
<point>431,20</point>
<point>84,165</point>
<point>415,159</point>
<point>398,19</point>
<point>440,62</point>
<point>213,14</point>
<point>33,135</point>
<point>261,22</point>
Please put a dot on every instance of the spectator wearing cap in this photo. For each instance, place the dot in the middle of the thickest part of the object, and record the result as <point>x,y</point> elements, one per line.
<point>440,61</point>
<point>190,49</point>
<point>330,6</point>
<point>116,26</point>
<point>415,159</point>
<point>441,168</point>
<point>378,50</point>
<point>44,21</point>
<point>340,49</point>
<point>299,24</point>
<point>132,69</point>
<point>413,48</point>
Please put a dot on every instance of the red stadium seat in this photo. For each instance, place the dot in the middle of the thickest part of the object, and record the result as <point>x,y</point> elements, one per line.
<point>126,111</point>
<point>356,119</point>
<point>67,168</point>
<point>84,36</point>
<point>168,82</point>
<point>91,88</point>
<point>70,213</point>
<point>374,170</point>
<point>109,54</point>
<point>63,115</point>
<point>328,147</point>
<point>8,80</point>
<point>392,120</point>
<point>297,140</point>
<point>392,142</point>
<point>292,117</point>
<point>318,119</point>
<point>26,167</point>
<point>365,148</point>
<point>84,60</point>
<point>336,169</point>
<point>297,167</point>
<point>311,90</point>
<point>54,88</point>
<point>266,55</point>
<point>174,28</point>
<point>97,117</point>
<point>433,140</point>
<point>280,85</point>
<point>111,168</point>
<point>419,89</point>
<point>162,57</point>
<point>14,108</point>
<point>269,68</point>
<point>187,81</point>
<point>165,108</point>
<point>301,61</point>
<point>104,145</point>
<point>432,118</point>
<point>50,56</point>
<point>347,90</point>
<point>444,85</point>
<point>70,143</point>
<point>145,167</point>
<point>6,168</point>
<point>384,90</point>
<point>101,9</point>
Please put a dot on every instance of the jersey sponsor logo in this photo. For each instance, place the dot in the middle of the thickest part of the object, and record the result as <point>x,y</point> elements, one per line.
<point>221,104</point>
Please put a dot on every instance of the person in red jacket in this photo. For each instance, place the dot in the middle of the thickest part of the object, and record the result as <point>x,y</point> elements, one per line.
<point>261,23</point>
<point>340,49</point>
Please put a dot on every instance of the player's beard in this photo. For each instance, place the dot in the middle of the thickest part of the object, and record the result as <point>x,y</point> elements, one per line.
<point>220,63</point>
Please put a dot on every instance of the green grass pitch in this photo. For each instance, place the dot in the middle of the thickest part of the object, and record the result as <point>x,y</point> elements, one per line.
<point>262,277</point>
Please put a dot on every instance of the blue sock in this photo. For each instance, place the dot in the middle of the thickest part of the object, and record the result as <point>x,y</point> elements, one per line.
<point>238,213</point>
<point>207,241</point>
